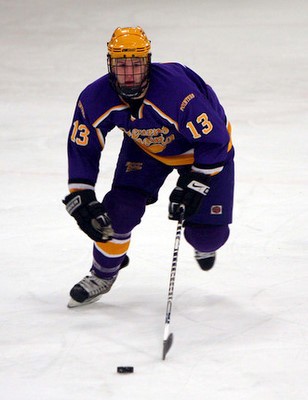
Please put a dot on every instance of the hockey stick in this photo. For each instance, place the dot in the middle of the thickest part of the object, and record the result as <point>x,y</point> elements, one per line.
<point>168,338</point>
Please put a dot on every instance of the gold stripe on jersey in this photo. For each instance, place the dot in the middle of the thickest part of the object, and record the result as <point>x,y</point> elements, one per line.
<point>100,137</point>
<point>140,112</point>
<point>161,113</point>
<point>173,161</point>
<point>113,248</point>
<point>229,129</point>
<point>76,187</point>
<point>105,115</point>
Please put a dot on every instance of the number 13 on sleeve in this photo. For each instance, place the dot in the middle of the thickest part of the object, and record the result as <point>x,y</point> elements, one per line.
<point>205,123</point>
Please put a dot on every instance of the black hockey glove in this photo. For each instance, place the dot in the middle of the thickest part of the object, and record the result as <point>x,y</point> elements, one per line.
<point>90,215</point>
<point>190,190</point>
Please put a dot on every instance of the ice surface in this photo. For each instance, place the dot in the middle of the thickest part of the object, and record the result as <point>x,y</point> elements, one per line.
<point>241,330</point>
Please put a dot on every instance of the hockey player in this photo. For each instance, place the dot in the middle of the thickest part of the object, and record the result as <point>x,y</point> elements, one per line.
<point>170,119</point>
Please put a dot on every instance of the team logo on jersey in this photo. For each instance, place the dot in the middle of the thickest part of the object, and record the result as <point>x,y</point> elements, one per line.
<point>155,139</point>
<point>133,166</point>
<point>216,210</point>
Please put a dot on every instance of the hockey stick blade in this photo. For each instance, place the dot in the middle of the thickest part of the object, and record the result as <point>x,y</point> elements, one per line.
<point>167,345</point>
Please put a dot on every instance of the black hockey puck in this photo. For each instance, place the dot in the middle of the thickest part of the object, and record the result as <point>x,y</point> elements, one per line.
<point>125,370</point>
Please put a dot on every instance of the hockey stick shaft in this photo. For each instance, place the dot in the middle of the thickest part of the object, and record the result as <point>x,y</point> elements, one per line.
<point>168,338</point>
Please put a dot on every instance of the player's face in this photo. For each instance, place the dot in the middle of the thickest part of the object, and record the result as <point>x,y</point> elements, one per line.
<point>129,72</point>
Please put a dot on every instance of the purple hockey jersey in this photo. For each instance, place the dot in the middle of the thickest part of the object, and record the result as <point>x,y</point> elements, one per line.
<point>180,122</point>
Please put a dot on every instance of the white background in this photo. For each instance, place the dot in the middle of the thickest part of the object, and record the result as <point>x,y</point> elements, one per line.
<point>241,330</point>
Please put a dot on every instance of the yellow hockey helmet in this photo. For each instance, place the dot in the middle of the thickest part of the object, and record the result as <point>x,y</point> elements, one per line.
<point>129,42</point>
<point>129,46</point>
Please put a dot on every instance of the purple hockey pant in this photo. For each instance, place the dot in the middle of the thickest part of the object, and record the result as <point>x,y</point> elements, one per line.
<point>137,180</point>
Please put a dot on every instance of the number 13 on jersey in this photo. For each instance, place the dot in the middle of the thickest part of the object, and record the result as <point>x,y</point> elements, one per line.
<point>205,123</point>
<point>80,134</point>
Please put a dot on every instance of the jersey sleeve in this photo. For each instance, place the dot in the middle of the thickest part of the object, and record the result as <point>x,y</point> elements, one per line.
<point>84,147</point>
<point>204,125</point>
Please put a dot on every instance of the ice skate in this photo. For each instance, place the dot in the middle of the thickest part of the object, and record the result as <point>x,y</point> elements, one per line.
<point>91,288</point>
<point>205,260</point>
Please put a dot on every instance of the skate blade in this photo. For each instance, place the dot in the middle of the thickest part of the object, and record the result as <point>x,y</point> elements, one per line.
<point>73,303</point>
